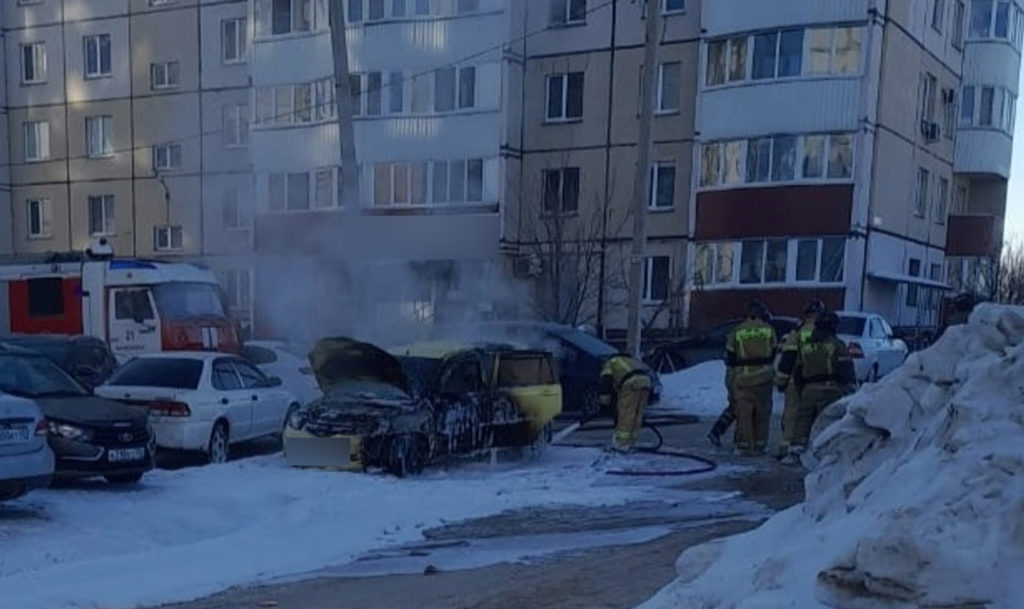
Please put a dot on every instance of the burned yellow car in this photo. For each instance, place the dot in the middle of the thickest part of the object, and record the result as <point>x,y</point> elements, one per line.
<point>403,410</point>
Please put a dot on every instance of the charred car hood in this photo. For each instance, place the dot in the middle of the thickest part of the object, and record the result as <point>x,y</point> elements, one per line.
<point>91,410</point>
<point>337,361</point>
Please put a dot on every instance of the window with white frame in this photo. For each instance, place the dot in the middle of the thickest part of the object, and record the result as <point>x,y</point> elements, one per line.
<point>454,88</point>
<point>354,12</point>
<point>39,218</point>
<point>662,193</point>
<point>787,53</point>
<point>771,261</point>
<point>991,19</point>
<point>165,75</point>
<point>657,278</point>
<point>669,83</point>
<point>669,7</point>
<point>396,92</point>
<point>98,61</point>
<point>938,14</point>
<point>399,184</point>
<point>949,113</point>
<point>288,191</point>
<point>820,260</point>
<point>959,11</point>
<point>763,261</point>
<point>237,289</point>
<point>284,17</point>
<point>301,103</point>
<point>780,158</point>
<point>235,129</point>
<point>167,157</point>
<point>234,40</point>
<point>99,136</point>
<point>990,107</point>
<point>33,63</point>
<point>37,141</point>
<point>928,86</point>
<point>921,203</point>
<point>458,181</point>
<point>101,215</point>
<point>564,97</point>
<point>561,190</point>
<point>230,210</point>
<point>834,50</point>
<point>727,60</point>
<point>168,238</point>
<point>942,201</point>
<point>568,12</point>
<point>323,188</point>
<point>914,270</point>
<point>960,199</point>
<point>778,54</point>
<point>714,263</point>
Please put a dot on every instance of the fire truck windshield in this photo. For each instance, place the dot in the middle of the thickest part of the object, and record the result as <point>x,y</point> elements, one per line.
<point>185,300</point>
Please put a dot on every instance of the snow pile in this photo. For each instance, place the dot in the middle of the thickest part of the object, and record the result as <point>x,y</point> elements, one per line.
<point>188,533</point>
<point>916,500</point>
<point>699,391</point>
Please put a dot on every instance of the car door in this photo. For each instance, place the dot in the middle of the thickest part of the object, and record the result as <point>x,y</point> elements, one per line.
<point>232,398</point>
<point>131,322</point>
<point>269,404</point>
<point>528,377</point>
<point>461,412</point>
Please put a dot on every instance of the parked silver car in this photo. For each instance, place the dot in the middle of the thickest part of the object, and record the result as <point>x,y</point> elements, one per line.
<point>26,461</point>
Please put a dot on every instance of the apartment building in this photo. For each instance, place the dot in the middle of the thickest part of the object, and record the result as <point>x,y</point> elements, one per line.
<point>6,246</point>
<point>435,94</point>
<point>128,120</point>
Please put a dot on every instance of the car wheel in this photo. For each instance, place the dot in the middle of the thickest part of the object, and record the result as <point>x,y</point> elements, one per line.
<point>219,446</point>
<point>125,479</point>
<point>406,456</point>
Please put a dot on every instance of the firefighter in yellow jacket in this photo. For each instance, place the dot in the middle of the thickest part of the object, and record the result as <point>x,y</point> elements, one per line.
<point>627,383</point>
<point>790,350</point>
<point>750,357</point>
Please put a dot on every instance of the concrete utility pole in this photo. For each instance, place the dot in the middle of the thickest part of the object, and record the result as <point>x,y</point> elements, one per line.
<point>642,182</point>
<point>349,171</point>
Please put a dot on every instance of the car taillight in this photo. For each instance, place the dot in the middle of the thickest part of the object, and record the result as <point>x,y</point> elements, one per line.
<point>856,352</point>
<point>42,427</point>
<point>161,408</point>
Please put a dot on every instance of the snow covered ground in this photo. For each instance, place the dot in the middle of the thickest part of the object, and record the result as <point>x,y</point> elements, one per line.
<point>188,533</point>
<point>699,391</point>
<point>916,499</point>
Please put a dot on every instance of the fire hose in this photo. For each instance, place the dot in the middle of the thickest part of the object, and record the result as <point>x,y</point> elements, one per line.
<point>658,448</point>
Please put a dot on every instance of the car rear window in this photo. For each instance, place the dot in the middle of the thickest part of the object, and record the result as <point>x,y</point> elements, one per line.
<point>171,373</point>
<point>851,325</point>
<point>522,371</point>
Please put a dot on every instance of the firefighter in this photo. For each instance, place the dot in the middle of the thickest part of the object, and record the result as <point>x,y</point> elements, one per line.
<point>825,374</point>
<point>784,381</point>
<point>626,383</point>
<point>749,353</point>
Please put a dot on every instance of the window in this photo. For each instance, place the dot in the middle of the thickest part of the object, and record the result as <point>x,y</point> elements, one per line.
<point>668,93</point>
<point>165,75</point>
<point>101,215</point>
<point>987,99</point>
<point>928,85</point>
<point>834,50</point>
<point>727,61</point>
<point>561,190</point>
<point>376,12</point>
<point>840,157</point>
<point>233,40</point>
<point>814,156</point>
<point>949,117</point>
<point>921,206</point>
<point>33,63</point>
<point>942,201</point>
<point>166,157</point>
<point>230,210</point>
<point>833,258</point>
<point>422,7</point>
<point>420,102</point>
<point>355,11</point>
<point>732,158</point>
<point>738,59</point>
<point>662,193</point>
<point>960,200</point>
<point>967,106</point>
<point>716,63</point>
<point>565,97</point>
<point>759,159</point>
<point>763,261</point>
<point>98,136</point>
<point>714,263</point>
<point>473,6</point>
<point>958,24</point>
<point>914,268</point>
<point>457,181</point>
<point>568,12</point>
<point>236,284</point>
<point>673,6</point>
<point>396,90</point>
<point>398,8</point>
<point>467,87</point>
<point>807,260</point>
<point>657,270</point>
<point>710,164</point>
<point>236,126</point>
<point>324,188</point>
<point>97,56</point>
<point>37,141</point>
<point>784,158</point>
<point>280,17</point>
<point>39,218</point>
<point>167,238</point>
<point>780,158</point>
<point>1002,24</point>
<point>765,55</point>
<point>991,19</point>
<point>938,14</point>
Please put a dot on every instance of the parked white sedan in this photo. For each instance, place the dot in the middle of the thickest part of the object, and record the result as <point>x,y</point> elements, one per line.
<point>875,351</point>
<point>276,358</point>
<point>26,461</point>
<point>202,402</point>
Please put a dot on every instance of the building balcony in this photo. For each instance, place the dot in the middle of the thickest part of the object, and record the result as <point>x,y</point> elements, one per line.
<point>991,63</point>
<point>727,16</point>
<point>774,211</point>
<point>983,152</point>
<point>974,235</point>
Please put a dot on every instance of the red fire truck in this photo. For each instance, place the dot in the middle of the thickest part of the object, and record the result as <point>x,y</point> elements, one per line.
<point>136,306</point>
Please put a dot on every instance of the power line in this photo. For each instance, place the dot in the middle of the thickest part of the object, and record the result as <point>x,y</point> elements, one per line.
<point>313,108</point>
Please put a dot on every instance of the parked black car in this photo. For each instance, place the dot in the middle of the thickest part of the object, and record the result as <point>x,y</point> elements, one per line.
<point>90,436</point>
<point>580,358</point>
<point>86,358</point>
<point>670,357</point>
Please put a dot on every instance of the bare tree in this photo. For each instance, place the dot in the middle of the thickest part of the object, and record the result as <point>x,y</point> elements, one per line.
<point>1008,280</point>
<point>652,313</point>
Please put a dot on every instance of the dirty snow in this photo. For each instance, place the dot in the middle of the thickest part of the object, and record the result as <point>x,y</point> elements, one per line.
<point>916,499</point>
<point>698,391</point>
<point>189,533</point>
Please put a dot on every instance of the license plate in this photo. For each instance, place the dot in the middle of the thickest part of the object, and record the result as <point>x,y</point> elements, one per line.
<point>13,434</point>
<point>120,455</point>
<point>318,452</point>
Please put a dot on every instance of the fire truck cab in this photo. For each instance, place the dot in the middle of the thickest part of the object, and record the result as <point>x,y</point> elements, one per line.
<point>136,306</point>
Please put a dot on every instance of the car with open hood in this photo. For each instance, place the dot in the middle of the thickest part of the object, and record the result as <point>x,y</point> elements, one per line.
<point>402,410</point>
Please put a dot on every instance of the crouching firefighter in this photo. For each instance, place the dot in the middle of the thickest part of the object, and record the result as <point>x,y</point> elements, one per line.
<point>750,358</point>
<point>626,383</point>
<point>824,374</point>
